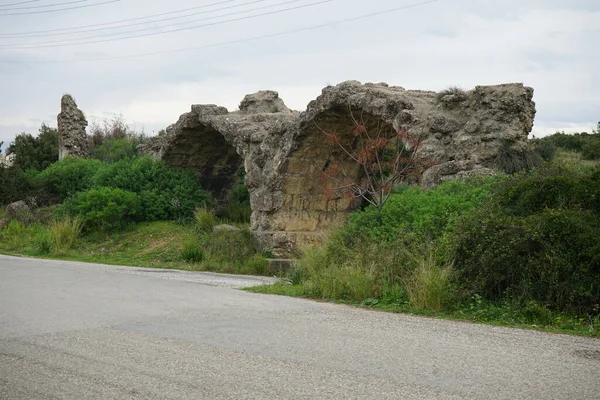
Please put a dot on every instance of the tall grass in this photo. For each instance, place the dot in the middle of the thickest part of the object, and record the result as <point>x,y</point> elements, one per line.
<point>429,284</point>
<point>204,220</point>
<point>64,234</point>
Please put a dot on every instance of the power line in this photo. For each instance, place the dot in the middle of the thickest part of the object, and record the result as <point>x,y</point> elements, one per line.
<point>172,30</point>
<point>117,22</point>
<point>45,5</point>
<point>147,22</point>
<point>58,9</point>
<point>19,3</point>
<point>152,28</point>
<point>231,42</point>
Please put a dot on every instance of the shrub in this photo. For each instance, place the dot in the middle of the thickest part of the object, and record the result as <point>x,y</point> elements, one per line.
<point>552,257</point>
<point>238,207</point>
<point>35,153</point>
<point>591,149</point>
<point>429,285</point>
<point>511,160</point>
<point>42,243</point>
<point>412,210</point>
<point>165,193</point>
<point>64,234</point>
<point>546,150</point>
<point>255,265</point>
<point>112,150</point>
<point>68,176</point>
<point>13,234</point>
<point>457,94</point>
<point>230,246</point>
<point>192,250</point>
<point>204,220</point>
<point>554,188</point>
<point>104,208</point>
<point>14,185</point>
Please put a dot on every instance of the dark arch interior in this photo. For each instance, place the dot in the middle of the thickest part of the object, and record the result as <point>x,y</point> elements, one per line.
<point>205,151</point>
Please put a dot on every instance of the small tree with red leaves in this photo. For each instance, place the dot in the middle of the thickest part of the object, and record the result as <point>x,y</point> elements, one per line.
<point>385,158</point>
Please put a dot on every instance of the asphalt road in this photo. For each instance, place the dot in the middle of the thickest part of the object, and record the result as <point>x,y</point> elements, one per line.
<point>83,331</point>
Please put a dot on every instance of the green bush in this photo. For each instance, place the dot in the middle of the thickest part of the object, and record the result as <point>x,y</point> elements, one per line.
<point>165,192</point>
<point>238,208</point>
<point>42,242</point>
<point>113,150</point>
<point>552,257</point>
<point>35,153</point>
<point>429,284</point>
<point>537,239</point>
<point>68,176</point>
<point>428,214</point>
<point>63,235</point>
<point>591,148</point>
<point>554,188</point>
<point>104,208</point>
<point>192,250</point>
<point>204,220</point>
<point>511,160</point>
<point>234,246</point>
<point>14,185</point>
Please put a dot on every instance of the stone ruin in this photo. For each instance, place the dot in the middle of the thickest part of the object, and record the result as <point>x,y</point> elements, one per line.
<point>283,152</point>
<point>72,140</point>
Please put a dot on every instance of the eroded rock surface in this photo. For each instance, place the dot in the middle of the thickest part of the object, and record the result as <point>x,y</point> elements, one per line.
<point>283,152</point>
<point>72,139</point>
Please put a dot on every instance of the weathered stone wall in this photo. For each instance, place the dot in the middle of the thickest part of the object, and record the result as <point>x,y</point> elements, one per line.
<point>283,152</point>
<point>72,139</point>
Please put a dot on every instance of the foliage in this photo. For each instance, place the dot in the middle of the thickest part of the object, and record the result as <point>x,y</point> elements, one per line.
<point>537,240</point>
<point>68,177</point>
<point>238,208</point>
<point>14,185</point>
<point>112,150</point>
<point>585,143</point>
<point>192,251</point>
<point>451,91</point>
<point>165,192</point>
<point>430,285</point>
<point>63,235</point>
<point>233,246</point>
<point>428,214</point>
<point>113,139</point>
<point>104,208</point>
<point>35,152</point>
<point>546,150</point>
<point>591,148</point>
<point>204,220</point>
<point>383,158</point>
<point>511,160</point>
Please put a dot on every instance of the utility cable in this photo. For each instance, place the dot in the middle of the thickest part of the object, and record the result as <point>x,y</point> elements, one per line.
<point>172,30</point>
<point>231,42</point>
<point>153,28</point>
<point>116,22</point>
<point>148,22</point>
<point>58,9</point>
<point>45,5</point>
<point>19,3</point>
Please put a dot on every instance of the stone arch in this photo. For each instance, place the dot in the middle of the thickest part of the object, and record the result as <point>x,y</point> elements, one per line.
<point>308,211</point>
<point>201,148</point>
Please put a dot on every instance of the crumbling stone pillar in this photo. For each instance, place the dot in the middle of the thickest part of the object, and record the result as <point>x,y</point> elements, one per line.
<point>72,139</point>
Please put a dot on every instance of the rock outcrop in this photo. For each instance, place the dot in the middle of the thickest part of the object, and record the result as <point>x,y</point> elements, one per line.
<point>72,139</point>
<point>283,152</point>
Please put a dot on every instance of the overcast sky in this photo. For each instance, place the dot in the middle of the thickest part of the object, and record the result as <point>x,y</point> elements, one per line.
<point>551,45</point>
